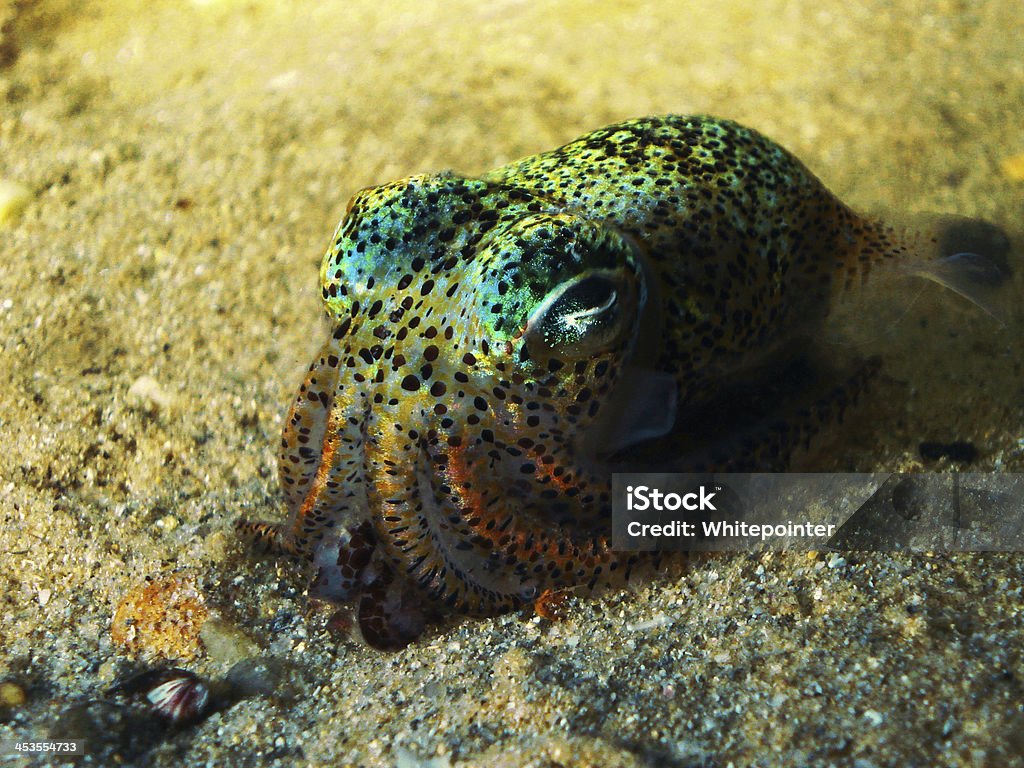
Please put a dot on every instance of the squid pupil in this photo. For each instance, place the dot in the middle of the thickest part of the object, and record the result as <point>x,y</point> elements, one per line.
<point>590,304</point>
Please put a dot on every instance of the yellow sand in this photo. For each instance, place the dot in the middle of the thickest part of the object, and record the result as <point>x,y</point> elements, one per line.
<point>158,303</point>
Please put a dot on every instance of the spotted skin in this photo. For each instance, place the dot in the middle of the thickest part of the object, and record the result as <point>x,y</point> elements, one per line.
<point>440,455</point>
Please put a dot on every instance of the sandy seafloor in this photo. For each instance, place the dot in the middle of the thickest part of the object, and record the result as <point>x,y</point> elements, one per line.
<point>186,165</point>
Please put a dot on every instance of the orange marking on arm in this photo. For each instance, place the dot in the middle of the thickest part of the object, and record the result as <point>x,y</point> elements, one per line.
<point>545,539</point>
<point>328,450</point>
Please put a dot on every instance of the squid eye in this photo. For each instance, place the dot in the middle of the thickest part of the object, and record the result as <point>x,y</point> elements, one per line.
<point>586,313</point>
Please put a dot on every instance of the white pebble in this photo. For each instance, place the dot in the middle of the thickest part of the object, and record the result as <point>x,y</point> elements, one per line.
<point>146,391</point>
<point>874,718</point>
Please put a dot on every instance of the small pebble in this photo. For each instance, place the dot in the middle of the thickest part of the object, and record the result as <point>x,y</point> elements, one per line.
<point>167,523</point>
<point>147,393</point>
<point>226,643</point>
<point>12,694</point>
<point>660,620</point>
<point>14,198</point>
